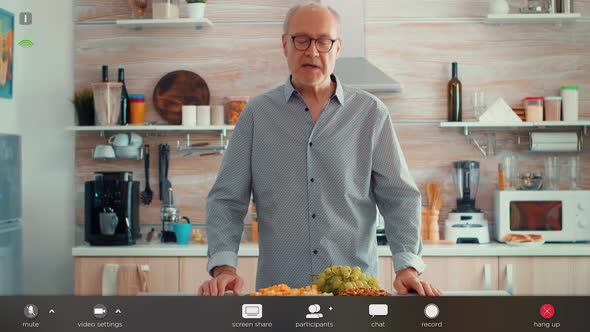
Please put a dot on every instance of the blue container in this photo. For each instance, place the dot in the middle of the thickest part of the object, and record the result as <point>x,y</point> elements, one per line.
<point>183,232</point>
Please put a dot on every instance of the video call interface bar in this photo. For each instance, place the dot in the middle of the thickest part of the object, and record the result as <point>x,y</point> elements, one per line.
<point>245,313</point>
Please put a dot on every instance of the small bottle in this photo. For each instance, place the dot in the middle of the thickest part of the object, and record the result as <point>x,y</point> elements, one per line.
<point>124,99</point>
<point>500,177</point>
<point>454,97</point>
<point>105,73</point>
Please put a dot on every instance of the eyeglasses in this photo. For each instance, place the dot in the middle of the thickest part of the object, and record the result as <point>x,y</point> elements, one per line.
<point>302,42</point>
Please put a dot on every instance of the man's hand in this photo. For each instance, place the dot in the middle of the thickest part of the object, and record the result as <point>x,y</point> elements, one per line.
<point>224,279</point>
<point>407,280</point>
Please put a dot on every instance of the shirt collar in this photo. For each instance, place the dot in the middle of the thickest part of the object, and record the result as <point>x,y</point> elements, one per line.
<point>339,93</point>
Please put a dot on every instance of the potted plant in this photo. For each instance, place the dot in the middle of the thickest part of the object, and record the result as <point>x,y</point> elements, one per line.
<point>84,103</point>
<point>196,8</point>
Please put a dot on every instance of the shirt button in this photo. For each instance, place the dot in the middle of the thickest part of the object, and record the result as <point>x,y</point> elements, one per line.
<point>311,180</point>
<point>315,252</point>
<point>313,215</point>
<point>307,109</point>
<point>310,144</point>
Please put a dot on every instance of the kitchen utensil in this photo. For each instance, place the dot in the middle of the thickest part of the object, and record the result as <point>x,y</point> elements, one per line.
<point>147,193</point>
<point>127,152</point>
<point>167,184</point>
<point>163,161</point>
<point>552,173</point>
<point>183,231</point>
<point>108,221</point>
<point>479,103</point>
<point>107,102</point>
<point>176,89</point>
<point>530,181</point>
<point>103,151</point>
<point>430,192</point>
<point>510,172</point>
<point>573,168</point>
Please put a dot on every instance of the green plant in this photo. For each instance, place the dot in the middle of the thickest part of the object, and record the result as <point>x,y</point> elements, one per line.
<point>83,100</point>
<point>196,1</point>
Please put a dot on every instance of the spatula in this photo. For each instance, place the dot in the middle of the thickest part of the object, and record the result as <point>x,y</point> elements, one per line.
<point>147,194</point>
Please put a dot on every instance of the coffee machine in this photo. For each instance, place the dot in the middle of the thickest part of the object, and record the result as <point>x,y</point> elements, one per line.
<point>111,209</point>
<point>466,223</point>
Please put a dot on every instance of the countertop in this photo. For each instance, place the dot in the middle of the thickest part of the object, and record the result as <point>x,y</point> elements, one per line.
<point>157,249</point>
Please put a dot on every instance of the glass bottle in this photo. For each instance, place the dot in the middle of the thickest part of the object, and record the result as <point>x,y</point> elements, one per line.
<point>454,96</point>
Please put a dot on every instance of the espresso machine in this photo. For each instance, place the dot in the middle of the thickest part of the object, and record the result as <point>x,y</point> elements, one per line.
<point>111,209</point>
<point>466,223</point>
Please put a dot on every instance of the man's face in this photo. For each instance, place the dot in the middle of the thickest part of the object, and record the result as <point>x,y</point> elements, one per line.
<point>311,67</point>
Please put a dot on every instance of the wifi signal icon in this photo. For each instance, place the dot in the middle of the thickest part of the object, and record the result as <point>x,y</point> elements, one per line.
<point>26,43</point>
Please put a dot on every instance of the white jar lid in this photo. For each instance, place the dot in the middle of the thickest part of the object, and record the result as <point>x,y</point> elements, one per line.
<point>553,98</point>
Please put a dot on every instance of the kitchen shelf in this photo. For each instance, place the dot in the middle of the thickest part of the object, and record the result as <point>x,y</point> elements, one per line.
<point>139,24</point>
<point>149,128</point>
<point>487,144</point>
<point>557,19</point>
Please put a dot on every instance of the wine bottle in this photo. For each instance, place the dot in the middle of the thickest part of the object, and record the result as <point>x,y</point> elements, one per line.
<point>105,73</point>
<point>125,115</point>
<point>454,97</point>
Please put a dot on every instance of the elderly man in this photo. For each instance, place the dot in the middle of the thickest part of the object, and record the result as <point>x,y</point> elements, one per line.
<point>319,158</point>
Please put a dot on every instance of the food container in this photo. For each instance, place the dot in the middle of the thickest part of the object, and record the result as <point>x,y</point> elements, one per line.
<point>166,9</point>
<point>234,105</point>
<point>553,108</point>
<point>137,109</point>
<point>107,103</point>
<point>569,95</point>
<point>138,8</point>
<point>533,108</point>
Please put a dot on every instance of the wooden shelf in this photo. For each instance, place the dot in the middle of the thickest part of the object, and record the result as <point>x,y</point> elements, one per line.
<point>531,18</point>
<point>160,23</point>
<point>149,128</point>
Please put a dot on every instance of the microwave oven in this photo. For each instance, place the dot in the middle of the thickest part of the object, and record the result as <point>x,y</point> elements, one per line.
<point>557,215</point>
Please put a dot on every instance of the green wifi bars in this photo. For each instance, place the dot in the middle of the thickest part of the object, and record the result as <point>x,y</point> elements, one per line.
<point>25,43</point>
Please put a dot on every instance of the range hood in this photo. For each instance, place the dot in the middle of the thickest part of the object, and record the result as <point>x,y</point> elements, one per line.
<point>352,68</point>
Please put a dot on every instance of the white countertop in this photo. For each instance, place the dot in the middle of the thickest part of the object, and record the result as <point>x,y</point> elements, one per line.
<point>157,249</point>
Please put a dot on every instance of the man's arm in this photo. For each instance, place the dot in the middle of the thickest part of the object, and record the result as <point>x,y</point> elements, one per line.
<point>228,200</point>
<point>397,197</point>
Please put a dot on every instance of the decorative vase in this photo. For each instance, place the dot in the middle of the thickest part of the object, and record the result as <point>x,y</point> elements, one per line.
<point>196,10</point>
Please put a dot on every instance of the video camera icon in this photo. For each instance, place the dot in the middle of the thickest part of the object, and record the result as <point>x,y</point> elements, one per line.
<point>99,311</point>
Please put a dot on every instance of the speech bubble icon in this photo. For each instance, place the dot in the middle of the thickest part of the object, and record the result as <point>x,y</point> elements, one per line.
<point>378,310</point>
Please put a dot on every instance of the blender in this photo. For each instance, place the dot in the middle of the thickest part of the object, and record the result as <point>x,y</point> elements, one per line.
<point>466,223</point>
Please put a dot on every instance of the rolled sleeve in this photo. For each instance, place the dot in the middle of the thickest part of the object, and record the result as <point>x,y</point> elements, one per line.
<point>229,198</point>
<point>220,258</point>
<point>397,197</point>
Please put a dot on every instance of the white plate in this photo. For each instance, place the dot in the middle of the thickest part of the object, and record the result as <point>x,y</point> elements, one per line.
<point>525,244</point>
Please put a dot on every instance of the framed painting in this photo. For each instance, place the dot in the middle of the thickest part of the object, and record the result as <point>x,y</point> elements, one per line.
<point>6,53</point>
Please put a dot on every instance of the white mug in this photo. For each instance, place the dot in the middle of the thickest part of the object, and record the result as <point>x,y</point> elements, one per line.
<point>217,115</point>
<point>204,115</point>
<point>119,139</point>
<point>189,115</point>
<point>103,151</point>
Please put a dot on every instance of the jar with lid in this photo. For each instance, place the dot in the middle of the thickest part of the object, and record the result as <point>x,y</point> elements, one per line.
<point>234,106</point>
<point>165,9</point>
<point>569,95</point>
<point>553,108</point>
<point>533,108</point>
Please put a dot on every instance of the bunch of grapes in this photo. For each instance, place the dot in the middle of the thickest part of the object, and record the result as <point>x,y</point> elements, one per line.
<point>338,277</point>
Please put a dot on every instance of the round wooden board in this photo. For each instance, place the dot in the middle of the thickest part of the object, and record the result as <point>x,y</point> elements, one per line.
<point>177,88</point>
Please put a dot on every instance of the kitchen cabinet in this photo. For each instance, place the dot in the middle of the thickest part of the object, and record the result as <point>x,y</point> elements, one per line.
<point>193,272</point>
<point>545,275</point>
<point>161,277</point>
<point>462,273</point>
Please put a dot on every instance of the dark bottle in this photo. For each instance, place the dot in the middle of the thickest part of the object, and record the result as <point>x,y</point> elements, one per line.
<point>105,73</point>
<point>454,97</point>
<point>125,116</point>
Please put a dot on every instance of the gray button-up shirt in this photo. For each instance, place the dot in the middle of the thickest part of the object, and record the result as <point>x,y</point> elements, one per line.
<point>316,187</point>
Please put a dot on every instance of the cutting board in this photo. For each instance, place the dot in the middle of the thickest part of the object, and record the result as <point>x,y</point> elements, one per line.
<point>177,88</point>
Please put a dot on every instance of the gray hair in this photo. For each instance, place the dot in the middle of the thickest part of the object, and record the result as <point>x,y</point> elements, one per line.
<point>315,3</point>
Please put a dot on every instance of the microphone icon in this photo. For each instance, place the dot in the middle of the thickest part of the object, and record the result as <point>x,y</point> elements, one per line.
<point>31,311</point>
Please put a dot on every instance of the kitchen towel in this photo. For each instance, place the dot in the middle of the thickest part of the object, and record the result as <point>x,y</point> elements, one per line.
<point>554,142</point>
<point>131,279</point>
<point>109,279</point>
<point>499,112</point>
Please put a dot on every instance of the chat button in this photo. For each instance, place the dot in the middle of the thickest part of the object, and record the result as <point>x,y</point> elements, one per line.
<point>378,310</point>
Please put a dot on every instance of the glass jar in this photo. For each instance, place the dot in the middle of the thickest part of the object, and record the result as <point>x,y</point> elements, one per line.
<point>165,9</point>
<point>138,8</point>
<point>533,108</point>
<point>234,105</point>
<point>552,108</point>
<point>569,95</point>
